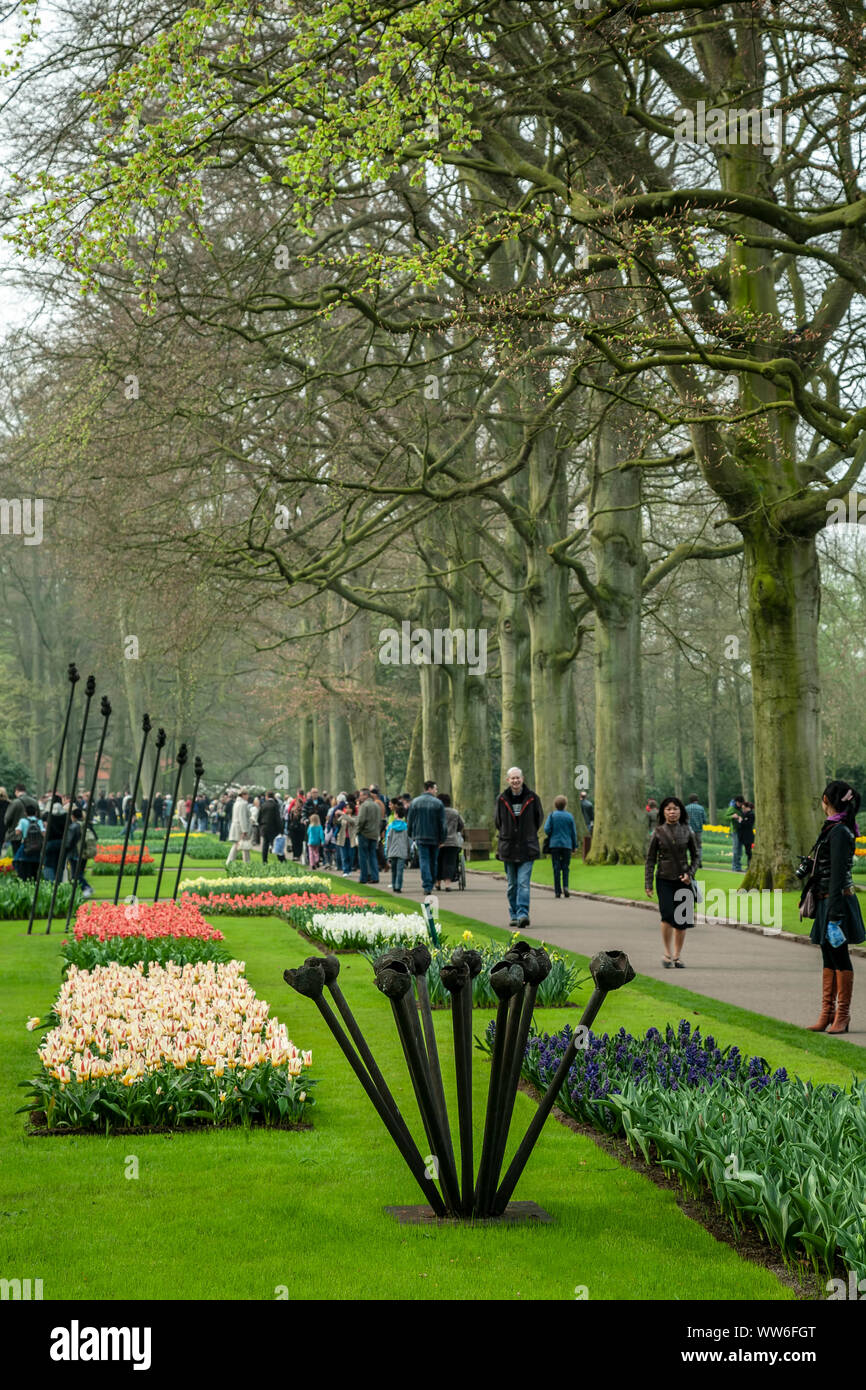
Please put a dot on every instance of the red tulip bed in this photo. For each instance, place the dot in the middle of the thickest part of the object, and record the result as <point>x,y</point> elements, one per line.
<point>108,860</point>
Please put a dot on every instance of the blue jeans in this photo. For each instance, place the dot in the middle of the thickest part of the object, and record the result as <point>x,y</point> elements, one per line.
<point>518,876</point>
<point>397,867</point>
<point>428,856</point>
<point>368,860</point>
<point>347,857</point>
<point>736,854</point>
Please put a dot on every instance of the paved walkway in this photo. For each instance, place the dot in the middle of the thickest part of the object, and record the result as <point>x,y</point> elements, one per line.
<point>770,975</point>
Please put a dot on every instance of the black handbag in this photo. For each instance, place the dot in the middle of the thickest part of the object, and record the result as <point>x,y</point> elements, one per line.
<point>807,906</point>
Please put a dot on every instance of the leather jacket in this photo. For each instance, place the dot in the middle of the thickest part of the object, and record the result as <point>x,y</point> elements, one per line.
<point>673,851</point>
<point>831,877</point>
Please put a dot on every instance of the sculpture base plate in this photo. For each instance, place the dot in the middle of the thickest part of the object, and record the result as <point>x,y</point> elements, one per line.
<point>515,1214</point>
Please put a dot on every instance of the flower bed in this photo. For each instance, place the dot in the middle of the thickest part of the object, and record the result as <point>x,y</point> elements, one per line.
<point>781,1154</point>
<point>201,845</point>
<point>108,860</point>
<point>151,933</point>
<point>179,1045</point>
<point>16,897</point>
<point>6,865</point>
<point>553,992</point>
<point>273,869</point>
<point>251,885</point>
<point>297,908</point>
<point>365,931</point>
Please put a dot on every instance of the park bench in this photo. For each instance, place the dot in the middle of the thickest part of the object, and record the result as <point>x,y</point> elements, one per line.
<point>477,844</point>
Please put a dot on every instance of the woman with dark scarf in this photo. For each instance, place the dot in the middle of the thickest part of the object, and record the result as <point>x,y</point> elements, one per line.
<point>838,920</point>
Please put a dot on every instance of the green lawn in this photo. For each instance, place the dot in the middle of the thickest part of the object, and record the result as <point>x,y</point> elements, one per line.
<point>236,1215</point>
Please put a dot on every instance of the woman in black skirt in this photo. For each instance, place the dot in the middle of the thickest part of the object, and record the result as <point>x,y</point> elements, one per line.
<point>838,921</point>
<point>673,854</point>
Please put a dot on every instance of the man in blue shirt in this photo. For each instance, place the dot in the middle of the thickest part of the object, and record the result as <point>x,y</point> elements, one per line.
<point>428,828</point>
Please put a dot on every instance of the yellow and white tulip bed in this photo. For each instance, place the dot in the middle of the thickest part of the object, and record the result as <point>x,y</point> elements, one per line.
<point>179,1045</point>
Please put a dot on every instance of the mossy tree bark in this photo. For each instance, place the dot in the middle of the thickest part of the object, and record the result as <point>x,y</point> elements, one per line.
<point>468,734</point>
<point>414,779</point>
<point>551,626</point>
<point>784,601</point>
<point>616,539</point>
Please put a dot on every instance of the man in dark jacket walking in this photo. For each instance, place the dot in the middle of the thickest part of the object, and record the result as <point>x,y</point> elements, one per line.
<point>270,823</point>
<point>519,816</point>
<point>369,825</point>
<point>428,827</point>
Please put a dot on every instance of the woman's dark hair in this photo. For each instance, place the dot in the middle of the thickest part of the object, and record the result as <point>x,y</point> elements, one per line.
<point>672,801</point>
<point>836,793</point>
<point>445,798</point>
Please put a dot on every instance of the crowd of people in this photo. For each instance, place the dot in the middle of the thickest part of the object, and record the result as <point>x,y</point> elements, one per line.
<point>363,831</point>
<point>55,832</point>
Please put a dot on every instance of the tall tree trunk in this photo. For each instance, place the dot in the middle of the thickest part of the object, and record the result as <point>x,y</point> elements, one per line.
<point>339,736</point>
<point>468,735</point>
<point>514,656</point>
<point>711,750</point>
<point>359,658</point>
<point>678,722</point>
<point>308,773</point>
<point>414,780</point>
<point>784,602</point>
<point>616,536</point>
<point>742,763</point>
<point>551,629</point>
<point>341,753</point>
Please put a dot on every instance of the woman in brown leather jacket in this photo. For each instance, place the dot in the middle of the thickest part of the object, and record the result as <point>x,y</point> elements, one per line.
<point>838,920</point>
<point>673,853</point>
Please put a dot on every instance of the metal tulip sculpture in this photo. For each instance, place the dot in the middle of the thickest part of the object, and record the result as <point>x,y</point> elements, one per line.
<point>401,975</point>
<point>73,677</point>
<point>74,863</point>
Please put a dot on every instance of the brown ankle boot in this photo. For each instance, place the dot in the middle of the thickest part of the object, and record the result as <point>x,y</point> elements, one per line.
<point>828,1001</point>
<point>844,990</point>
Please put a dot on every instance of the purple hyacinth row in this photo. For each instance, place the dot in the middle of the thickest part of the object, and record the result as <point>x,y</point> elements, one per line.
<point>679,1059</point>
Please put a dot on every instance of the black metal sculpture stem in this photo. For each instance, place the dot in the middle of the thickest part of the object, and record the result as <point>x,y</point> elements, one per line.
<point>182,756</point>
<point>159,744</point>
<point>72,676</point>
<point>409,1151</point>
<point>89,691</point>
<point>461,1013</point>
<point>545,1105</point>
<point>515,1047</point>
<point>416,1061</point>
<point>105,711</point>
<point>432,1053</point>
<point>367,1057</point>
<point>146,727</point>
<point>199,770</point>
<point>484,1197</point>
<point>492,1094</point>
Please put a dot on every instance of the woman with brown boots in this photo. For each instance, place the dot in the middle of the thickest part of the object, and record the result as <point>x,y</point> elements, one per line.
<point>838,921</point>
